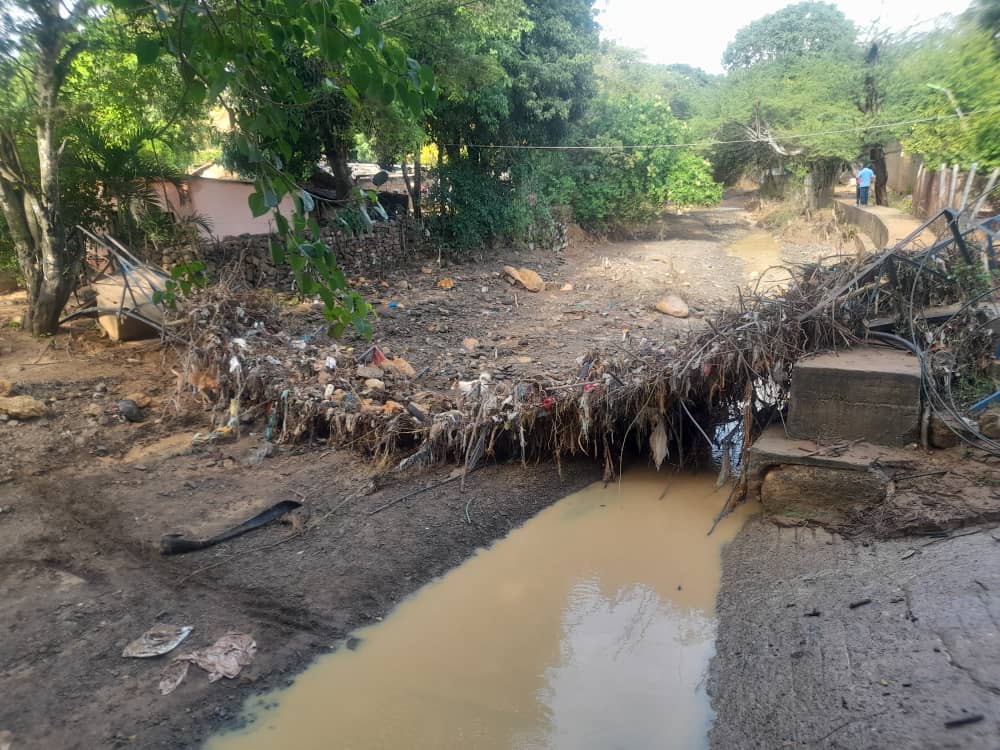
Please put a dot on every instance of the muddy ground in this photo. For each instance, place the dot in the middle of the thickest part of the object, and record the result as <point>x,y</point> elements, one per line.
<point>85,496</point>
<point>826,642</point>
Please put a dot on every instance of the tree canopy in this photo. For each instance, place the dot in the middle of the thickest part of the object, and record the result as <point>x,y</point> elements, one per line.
<point>803,30</point>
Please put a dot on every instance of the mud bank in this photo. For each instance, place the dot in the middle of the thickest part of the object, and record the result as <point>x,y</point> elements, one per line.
<point>825,642</point>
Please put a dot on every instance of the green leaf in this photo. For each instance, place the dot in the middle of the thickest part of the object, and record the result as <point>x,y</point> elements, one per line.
<point>257,205</point>
<point>332,44</point>
<point>147,49</point>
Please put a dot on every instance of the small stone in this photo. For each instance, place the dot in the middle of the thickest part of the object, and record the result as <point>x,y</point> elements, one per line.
<point>14,422</point>
<point>22,407</point>
<point>566,288</point>
<point>527,278</point>
<point>525,360</point>
<point>369,372</point>
<point>95,410</point>
<point>101,387</point>
<point>6,387</point>
<point>374,384</point>
<point>401,366</point>
<point>392,408</point>
<point>470,344</point>
<point>674,306</point>
<point>989,423</point>
<point>417,411</point>
<point>141,399</point>
<point>130,410</point>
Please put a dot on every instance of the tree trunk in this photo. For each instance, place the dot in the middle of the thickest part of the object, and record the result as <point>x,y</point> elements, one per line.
<point>877,155</point>
<point>336,156</point>
<point>409,187</point>
<point>418,180</point>
<point>33,211</point>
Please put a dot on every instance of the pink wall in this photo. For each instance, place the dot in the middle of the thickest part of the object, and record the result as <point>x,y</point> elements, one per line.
<point>224,203</point>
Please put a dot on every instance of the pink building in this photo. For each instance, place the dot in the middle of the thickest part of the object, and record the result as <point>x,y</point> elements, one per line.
<point>221,197</point>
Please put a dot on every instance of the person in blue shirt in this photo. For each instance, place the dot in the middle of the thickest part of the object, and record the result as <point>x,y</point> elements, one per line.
<point>865,177</point>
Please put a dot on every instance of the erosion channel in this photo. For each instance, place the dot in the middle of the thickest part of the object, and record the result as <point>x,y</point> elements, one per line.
<point>591,626</point>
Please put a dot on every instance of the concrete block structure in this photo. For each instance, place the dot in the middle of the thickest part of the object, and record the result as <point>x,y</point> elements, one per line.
<point>866,393</point>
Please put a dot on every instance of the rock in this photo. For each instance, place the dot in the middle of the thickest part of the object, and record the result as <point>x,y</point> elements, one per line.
<point>940,436</point>
<point>417,411</point>
<point>470,344</point>
<point>525,360</point>
<point>566,288</point>
<point>22,407</point>
<point>526,278</point>
<point>369,372</point>
<point>95,410</point>
<point>141,399</point>
<point>6,387</point>
<point>989,423</point>
<point>392,408</point>
<point>374,384</point>
<point>101,387</point>
<point>401,366</point>
<point>674,306</point>
<point>130,410</point>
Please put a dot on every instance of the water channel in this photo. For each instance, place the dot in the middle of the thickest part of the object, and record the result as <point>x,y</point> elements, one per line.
<point>589,627</point>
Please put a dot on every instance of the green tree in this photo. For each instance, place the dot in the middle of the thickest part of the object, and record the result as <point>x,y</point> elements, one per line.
<point>803,30</point>
<point>951,79</point>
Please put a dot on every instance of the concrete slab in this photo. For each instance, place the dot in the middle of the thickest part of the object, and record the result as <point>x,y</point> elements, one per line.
<point>864,393</point>
<point>804,481</point>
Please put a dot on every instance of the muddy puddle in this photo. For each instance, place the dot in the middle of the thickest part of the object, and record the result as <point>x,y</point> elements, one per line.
<point>589,627</point>
<point>760,253</point>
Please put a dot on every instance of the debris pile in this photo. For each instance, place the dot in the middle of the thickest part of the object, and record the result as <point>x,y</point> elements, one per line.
<point>389,245</point>
<point>719,388</point>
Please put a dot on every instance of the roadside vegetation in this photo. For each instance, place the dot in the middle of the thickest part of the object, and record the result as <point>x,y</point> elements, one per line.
<point>512,113</point>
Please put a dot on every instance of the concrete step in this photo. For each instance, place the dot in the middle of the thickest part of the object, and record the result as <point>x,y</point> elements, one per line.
<point>825,483</point>
<point>866,393</point>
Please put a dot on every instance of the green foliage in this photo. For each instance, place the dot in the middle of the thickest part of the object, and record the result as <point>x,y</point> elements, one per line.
<point>246,48</point>
<point>935,77</point>
<point>691,182</point>
<point>624,186</point>
<point>184,278</point>
<point>800,31</point>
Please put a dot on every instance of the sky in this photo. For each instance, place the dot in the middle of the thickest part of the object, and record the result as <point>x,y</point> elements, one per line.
<point>696,32</point>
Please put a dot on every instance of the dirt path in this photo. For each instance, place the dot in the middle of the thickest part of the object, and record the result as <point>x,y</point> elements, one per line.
<point>797,666</point>
<point>85,496</point>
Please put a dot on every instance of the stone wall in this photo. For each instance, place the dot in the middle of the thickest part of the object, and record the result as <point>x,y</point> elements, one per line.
<point>374,255</point>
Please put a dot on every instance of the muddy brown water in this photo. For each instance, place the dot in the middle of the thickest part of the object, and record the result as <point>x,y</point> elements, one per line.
<point>589,627</point>
<point>762,257</point>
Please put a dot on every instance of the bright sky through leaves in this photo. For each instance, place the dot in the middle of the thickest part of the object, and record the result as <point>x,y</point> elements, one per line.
<point>696,33</point>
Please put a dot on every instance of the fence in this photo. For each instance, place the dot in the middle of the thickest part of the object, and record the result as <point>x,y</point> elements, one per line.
<point>943,186</point>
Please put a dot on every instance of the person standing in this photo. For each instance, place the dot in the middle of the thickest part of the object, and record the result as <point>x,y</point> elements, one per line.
<point>865,177</point>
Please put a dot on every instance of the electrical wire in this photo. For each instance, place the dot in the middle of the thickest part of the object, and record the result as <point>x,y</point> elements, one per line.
<point>709,144</point>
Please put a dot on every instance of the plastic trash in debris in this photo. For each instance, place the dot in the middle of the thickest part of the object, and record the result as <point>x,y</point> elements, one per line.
<point>224,658</point>
<point>158,640</point>
<point>220,435</point>
<point>393,305</point>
